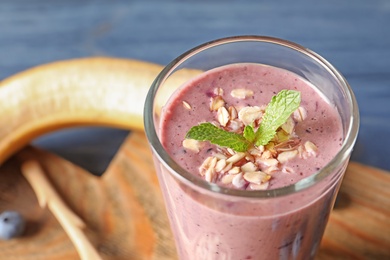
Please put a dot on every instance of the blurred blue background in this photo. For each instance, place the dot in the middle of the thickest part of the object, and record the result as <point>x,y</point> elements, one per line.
<point>354,35</point>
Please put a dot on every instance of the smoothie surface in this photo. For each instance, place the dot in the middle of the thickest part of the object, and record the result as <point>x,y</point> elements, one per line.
<point>235,95</point>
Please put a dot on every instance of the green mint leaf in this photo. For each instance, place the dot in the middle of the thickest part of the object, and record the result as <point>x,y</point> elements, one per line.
<point>249,133</point>
<point>215,135</point>
<point>277,112</point>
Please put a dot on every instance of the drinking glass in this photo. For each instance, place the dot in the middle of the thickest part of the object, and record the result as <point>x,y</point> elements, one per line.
<point>213,222</point>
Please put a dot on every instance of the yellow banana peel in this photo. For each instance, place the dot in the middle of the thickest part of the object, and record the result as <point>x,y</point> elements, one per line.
<point>99,91</point>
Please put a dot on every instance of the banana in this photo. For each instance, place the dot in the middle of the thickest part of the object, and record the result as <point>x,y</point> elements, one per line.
<point>99,91</point>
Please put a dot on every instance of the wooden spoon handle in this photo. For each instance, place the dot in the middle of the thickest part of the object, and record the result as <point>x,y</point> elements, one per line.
<point>71,223</point>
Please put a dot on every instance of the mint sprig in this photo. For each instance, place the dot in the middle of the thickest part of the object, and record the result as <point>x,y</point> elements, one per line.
<point>249,133</point>
<point>276,114</point>
<point>218,136</point>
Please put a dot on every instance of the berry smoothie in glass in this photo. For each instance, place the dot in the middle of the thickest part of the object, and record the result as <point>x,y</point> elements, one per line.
<point>251,152</point>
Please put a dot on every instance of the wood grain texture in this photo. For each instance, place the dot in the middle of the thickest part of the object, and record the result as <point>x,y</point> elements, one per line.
<point>126,218</point>
<point>123,209</point>
<point>359,226</point>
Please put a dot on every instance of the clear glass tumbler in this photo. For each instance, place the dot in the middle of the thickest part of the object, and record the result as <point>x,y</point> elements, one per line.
<point>212,222</point>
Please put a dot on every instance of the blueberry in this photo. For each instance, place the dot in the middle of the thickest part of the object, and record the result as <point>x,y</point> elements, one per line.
<point>11,224</point>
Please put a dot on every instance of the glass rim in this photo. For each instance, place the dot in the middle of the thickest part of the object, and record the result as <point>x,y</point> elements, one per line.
<point>189,178</point>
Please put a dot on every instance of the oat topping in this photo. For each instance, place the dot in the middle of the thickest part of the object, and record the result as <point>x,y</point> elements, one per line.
<point>286,156</point>
<point>249,115</point>
<point>192,145</point>
<point>223,116</point>
<point>300,114</point>
<point>241,93</point>
<point>253,169</point>
<point>310,148</point>
<point>216,103</point>
<point>186,105</point>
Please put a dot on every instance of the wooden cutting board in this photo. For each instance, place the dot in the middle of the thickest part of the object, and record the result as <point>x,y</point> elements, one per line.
<point>126,218</point>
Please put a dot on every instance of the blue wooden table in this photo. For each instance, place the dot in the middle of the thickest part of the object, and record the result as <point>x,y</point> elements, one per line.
<point>354,35</point>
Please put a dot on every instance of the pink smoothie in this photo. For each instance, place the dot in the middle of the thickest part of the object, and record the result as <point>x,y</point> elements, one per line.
<point>223,227</point>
